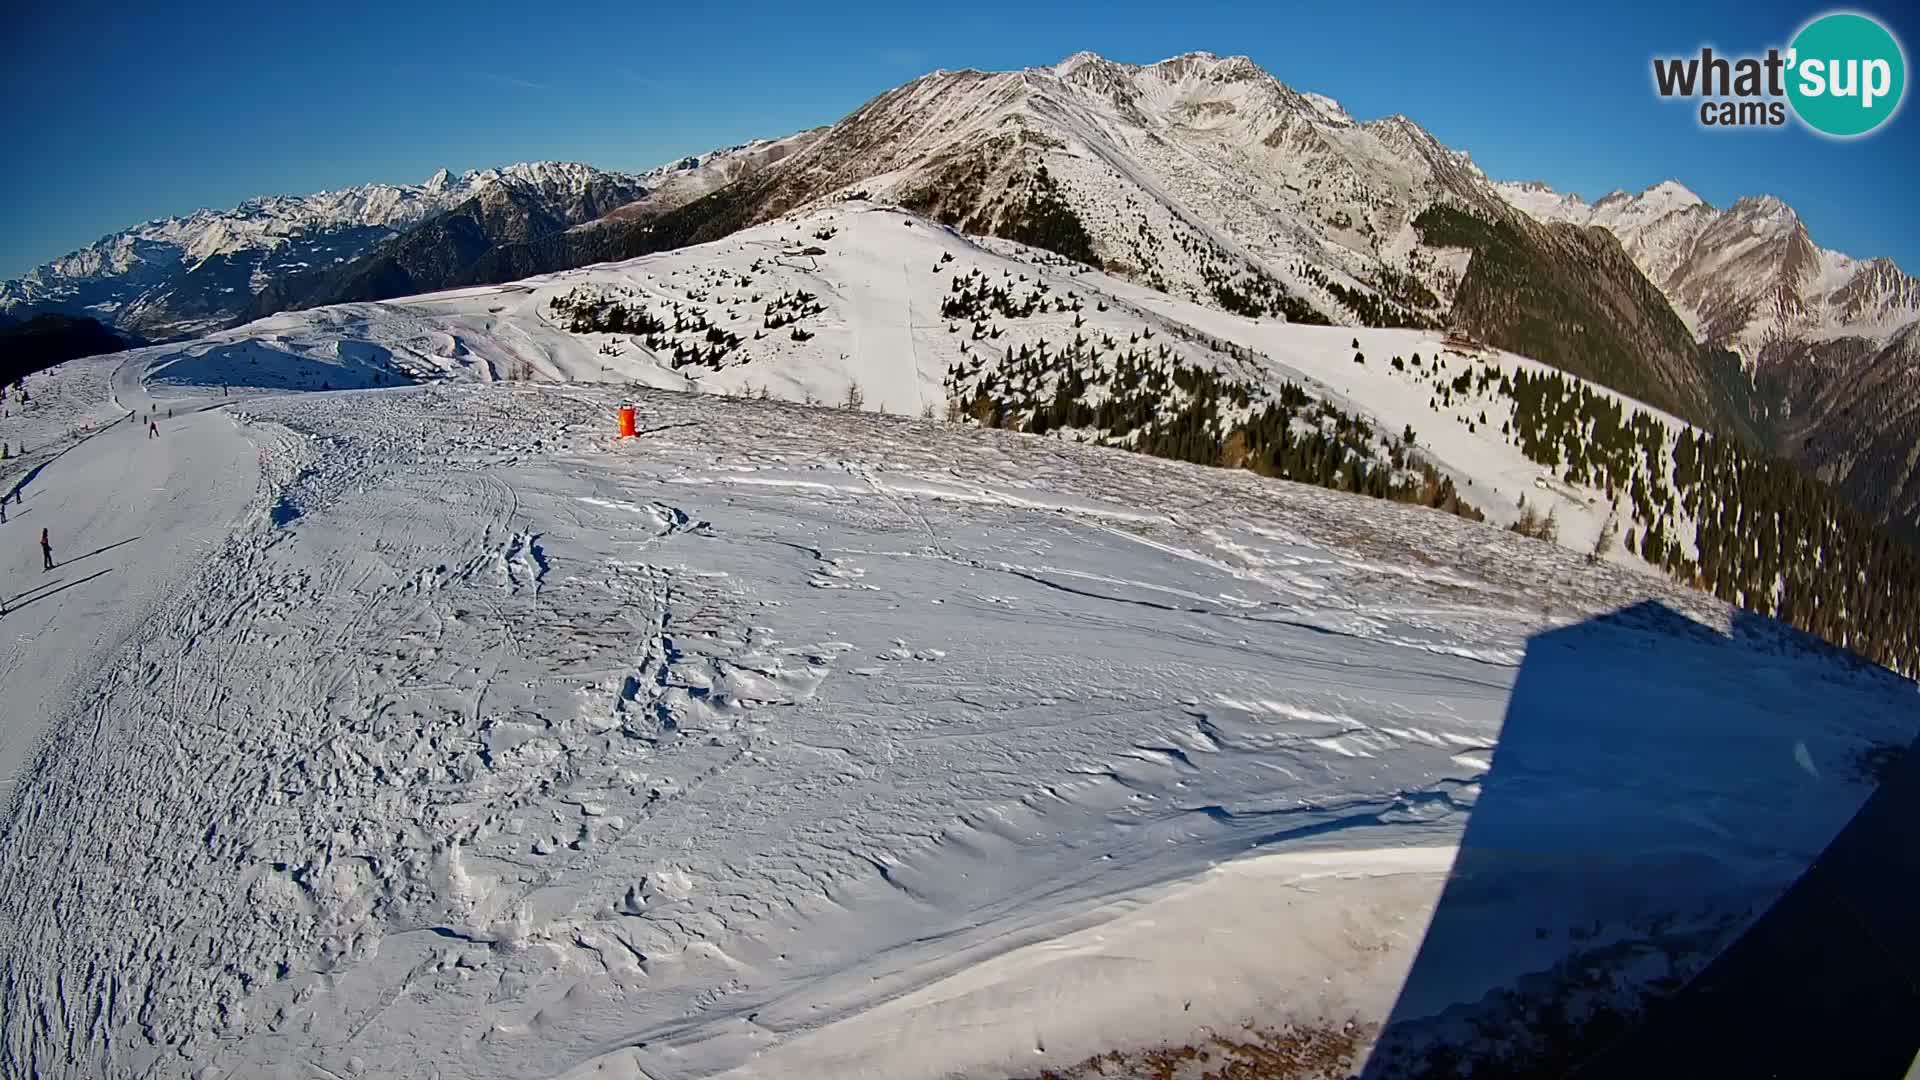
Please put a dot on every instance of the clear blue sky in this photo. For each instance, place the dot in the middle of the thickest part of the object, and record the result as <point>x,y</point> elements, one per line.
<point>116,116</point>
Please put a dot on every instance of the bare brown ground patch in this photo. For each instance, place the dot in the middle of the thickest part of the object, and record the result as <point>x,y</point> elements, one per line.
<point>1249,1053</point>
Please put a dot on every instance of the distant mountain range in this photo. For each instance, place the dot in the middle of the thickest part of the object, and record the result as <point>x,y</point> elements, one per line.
<point>1202,176</point>
<point>181,276</point>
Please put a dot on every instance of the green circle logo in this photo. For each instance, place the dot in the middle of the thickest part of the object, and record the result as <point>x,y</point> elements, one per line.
<point>1847,74</point>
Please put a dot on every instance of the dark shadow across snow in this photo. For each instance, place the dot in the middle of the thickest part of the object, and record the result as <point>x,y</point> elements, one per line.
<point>1643,807</point>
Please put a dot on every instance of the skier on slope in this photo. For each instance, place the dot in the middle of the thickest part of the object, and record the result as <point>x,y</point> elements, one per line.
<point>153,430</point>
<point>46,550</point>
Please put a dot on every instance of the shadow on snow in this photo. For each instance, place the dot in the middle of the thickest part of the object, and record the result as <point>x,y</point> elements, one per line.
<point>1639,811</point>
<point>53,588</point>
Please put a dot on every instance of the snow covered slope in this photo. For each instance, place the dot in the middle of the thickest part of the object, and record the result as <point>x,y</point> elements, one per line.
<point>758,315</point>
<point>54,411</point>
<point>179,275</point>
<point>476,742</point>
<point>159,512</point>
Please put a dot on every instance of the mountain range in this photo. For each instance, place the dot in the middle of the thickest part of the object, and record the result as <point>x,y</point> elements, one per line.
<point>181,276</point>
<point>1201,176</point>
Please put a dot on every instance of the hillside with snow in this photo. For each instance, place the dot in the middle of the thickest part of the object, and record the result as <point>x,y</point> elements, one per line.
<point>869,306</point>
<point>432,730</point>
<point>856,299</point>
<point>679,182</point>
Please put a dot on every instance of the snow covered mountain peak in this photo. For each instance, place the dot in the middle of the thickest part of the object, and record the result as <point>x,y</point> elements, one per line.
<point>1189,74</point>
<point>1191,172</point>
<point>1328,108</point>
<point>1211,65</point>
<point>1673,193</point>
<point>1538,200</point>
<point>573,175</point>
<point>1665,197</point>
<point>1079,60</point>
<point>1405,137</point>
<point>1178,66</point>
<point>1185,72</point>
<point>1742,277</point>
<point>1764,210</point>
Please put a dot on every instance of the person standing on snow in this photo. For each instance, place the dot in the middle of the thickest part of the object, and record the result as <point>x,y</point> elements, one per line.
<point>46,550</point>
<point>153,430</point>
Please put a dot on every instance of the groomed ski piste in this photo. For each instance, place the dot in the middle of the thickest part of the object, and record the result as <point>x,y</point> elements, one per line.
<point>368,729</point>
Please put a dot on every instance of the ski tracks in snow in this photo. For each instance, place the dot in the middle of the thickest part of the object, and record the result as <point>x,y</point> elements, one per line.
<point>490,748</point>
